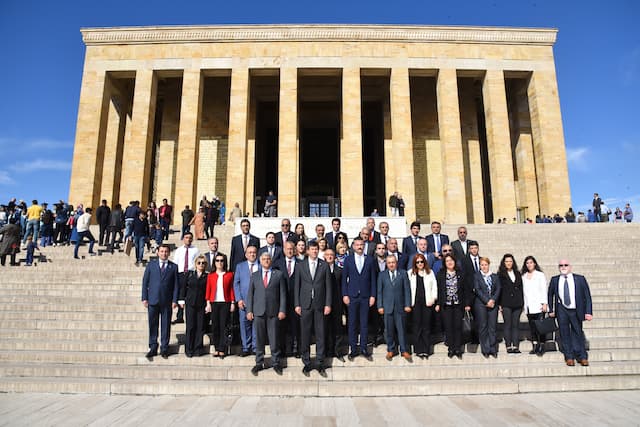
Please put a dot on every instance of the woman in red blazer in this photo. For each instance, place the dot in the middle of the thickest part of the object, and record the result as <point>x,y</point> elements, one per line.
<point>220,302</point>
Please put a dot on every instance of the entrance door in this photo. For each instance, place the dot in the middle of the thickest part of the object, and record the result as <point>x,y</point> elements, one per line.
<point>319,172</point>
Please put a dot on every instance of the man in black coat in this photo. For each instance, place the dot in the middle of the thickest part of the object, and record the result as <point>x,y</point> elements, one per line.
<point>103,214</point>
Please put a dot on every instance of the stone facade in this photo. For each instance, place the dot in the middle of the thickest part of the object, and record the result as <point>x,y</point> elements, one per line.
<point>463,121</point>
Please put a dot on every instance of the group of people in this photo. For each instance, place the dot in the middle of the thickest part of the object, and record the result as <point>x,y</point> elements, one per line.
<point>295,288</point>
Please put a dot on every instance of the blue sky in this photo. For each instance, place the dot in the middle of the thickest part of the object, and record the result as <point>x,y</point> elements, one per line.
<point>597,58</point>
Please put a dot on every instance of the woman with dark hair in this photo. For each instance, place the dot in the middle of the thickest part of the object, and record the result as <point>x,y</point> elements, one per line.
<point>424,292</point>
<point>486,287</point>
<point>192,299</point>
<point>300,234</point>
<point>454,298</point>
<point>220,302</point>
<point>301,249</point>
<point>322,246</point>
<point>511,302</point>
<point>534,287</point>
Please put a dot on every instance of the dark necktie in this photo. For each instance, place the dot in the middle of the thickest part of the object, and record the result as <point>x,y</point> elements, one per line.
<point>567,295</point>
<point>163,266</point>
<point>475,261</point>
<point>289,268</point>
<point>186,260</point>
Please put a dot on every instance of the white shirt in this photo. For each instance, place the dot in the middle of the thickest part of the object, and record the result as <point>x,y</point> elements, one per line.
<point>293,264</point>
<point>220,289</point>
<point>572,290</point>
<point>464,246</point>
<point>179,255</point>
<point>535,291</point>
<point>83,222</point>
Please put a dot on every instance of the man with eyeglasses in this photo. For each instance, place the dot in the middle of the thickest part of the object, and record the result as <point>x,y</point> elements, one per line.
<point>285,234</point>
<point>570,302</point>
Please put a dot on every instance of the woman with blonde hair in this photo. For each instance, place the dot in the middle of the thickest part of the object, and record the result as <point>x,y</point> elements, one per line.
<point>192,299</point>
<point>424,293</point>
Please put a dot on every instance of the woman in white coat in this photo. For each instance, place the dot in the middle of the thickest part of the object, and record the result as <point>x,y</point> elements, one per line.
<point>534,287</point>
<point>424,292</point>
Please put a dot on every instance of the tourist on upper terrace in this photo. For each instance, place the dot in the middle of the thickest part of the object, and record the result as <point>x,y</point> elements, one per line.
<point>570,301</point>
<point>140,235</point>
<point>393,204</point>
<point>511,302</point>
<point>270,205</point>
<point>597,206</point>
<point>235,213</point>
<point>570,216</point>
<point>82,227</point>
<point>628,213</point>
<point>617,215</point>
<point>130,214</point>
<point>582,218</point>
<point>10,244</point>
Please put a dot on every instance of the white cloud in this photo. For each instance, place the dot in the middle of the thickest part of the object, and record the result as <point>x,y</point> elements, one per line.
<point>35,144</point>
<point>577,158</point>
<point>5,178</point>
<point>41,164</point>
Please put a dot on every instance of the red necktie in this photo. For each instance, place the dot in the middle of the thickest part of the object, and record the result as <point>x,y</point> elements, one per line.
<point>266,279</point>
<point>186,259</point>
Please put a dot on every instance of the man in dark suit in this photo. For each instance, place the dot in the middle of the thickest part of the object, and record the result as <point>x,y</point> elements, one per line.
<point>369,245</point>
<point>358,293</point>
<point>373,235</point>
<point>160,297</point>
<point>394,300</point>
<point>392,249</point>
<point>103,214</point>
<point>266,304</point>
<point>271,247</point>
<point>384,232</point>
<point>337,318</point>
<point>570,302</point>
<point>241,281</point>
<point>240,243</point>
<point>461,246</point>
<point>435,240</point>
<point>211,255</point>
<point>312,300</point>
<point>331,236</point>
<point>285,235</point>
<point>410,243</point>
<point>290,326</point>
<point>597,206</point>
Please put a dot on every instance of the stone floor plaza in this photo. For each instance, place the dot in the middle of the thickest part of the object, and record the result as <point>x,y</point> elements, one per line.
<point>464,122</point>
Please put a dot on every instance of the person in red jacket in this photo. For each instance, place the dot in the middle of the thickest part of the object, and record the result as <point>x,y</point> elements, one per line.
<point>220,302</point>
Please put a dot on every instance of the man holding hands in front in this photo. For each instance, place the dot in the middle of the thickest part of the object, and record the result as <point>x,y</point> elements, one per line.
<point>394,300</point>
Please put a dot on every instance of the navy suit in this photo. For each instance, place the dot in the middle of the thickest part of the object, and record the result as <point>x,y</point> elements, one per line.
<point>237,249</point>
<point>486,318</point>
<point>160,289</point>
<point>359,287</point>
<point>409,246</point>
<point>241,280</point>
<point>431,244</point>
<point>393,297</point>
<point>570,320</point>
<point>290,238</point>
<point>275,257</point>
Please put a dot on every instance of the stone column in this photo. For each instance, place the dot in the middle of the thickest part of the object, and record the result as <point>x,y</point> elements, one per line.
<point>114,140</point>
<point>136,164</point>
<point>451,140</point>
<point>288,147</point>
<point>548,143</point>
<point>237,163</point>
<point>188,140</point>
<point>499,145</point>
<point>88,151</point>
<point>351,181</point>
<point>402,139</point>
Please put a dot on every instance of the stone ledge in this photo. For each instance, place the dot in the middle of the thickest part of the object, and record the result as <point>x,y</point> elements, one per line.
<point>317,32</point>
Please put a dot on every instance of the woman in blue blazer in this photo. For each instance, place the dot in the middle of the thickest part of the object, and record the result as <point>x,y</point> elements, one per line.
<point>486,287</point>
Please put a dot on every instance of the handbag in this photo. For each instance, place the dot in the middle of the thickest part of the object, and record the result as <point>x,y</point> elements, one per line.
<point>468,326</point>
<point>127,247</point>
<point>546,325</point>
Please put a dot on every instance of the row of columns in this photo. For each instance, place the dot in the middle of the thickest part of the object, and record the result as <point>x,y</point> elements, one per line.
<point>88,182</point>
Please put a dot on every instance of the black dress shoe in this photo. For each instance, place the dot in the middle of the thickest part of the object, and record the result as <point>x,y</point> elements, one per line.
<point>306,371</point>
<point>516,350</point>
<point>256,369</point>
<point>243,354</point>
<point>368,356</point>
<point>165,354</point>
<point>175,322</point>
<point>459,355</point>
<point>495,355</point>
<point>486,355</point>
<point>352,356</point>
<point>322,372</point>
<point>189,355</point>
<point>277,369</point>
<point>151,354</point>
<point>340,358</point>
<point>450,354</point>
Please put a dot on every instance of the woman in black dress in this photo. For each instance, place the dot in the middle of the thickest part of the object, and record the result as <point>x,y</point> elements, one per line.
<point>192,299</point>
<point>511,302</point>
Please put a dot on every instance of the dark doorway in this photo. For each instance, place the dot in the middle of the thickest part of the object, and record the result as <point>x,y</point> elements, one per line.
<point>319,171</point>
<point>266,160</point>
<point>373,157</point>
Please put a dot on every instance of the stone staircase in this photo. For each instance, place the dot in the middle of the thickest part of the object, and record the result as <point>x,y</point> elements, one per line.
<point>77,326</point>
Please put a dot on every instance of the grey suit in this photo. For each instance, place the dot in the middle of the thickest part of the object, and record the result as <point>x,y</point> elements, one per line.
<point>265,303</point>
<point>312,295</point>
<point>394,296</point>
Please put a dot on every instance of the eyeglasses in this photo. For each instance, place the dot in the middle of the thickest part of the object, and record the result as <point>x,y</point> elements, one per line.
<point>201,262</point>
<point>286,225</point>
<point>446,251</point>
<point>419,261</point>
<point>563,265</point>
<point>219,260</point>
